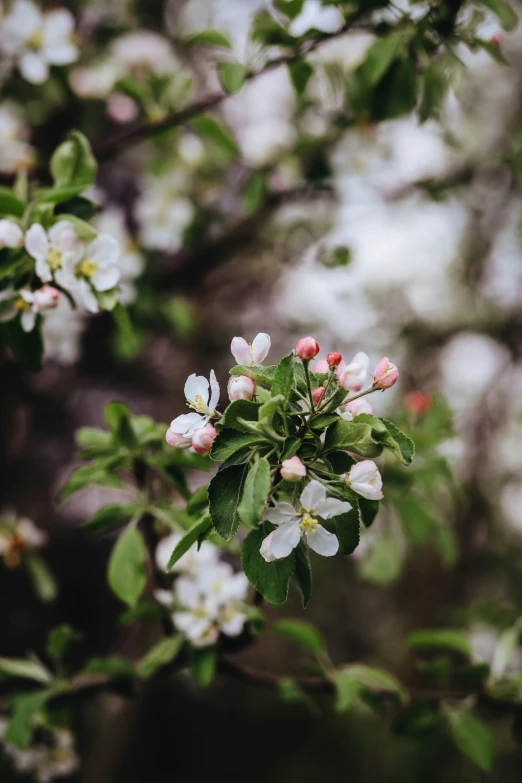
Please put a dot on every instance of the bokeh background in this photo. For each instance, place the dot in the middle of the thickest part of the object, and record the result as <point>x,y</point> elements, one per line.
<point>398,238</point>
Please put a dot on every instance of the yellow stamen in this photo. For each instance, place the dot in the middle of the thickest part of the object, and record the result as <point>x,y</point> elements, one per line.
<point>86,267</point>
<point>54,259</point>
<point>309,525</point>
<point>21,304</point>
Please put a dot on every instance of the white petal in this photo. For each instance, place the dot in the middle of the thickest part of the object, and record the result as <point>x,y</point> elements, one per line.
<point>28,320</point>
<point>214,392</point>
<point>106,278</point>
<point>58,25</point>
<point>87,297</point>
<point>187,423</point>
<point>313,495</point>
<point>33,68</point>
<point>37,243</point>
<point>64,53</point>
<point>234,623</point>
<point>196,385</point>
<point>165,549</point>
<point>187,593</point>
<point>323,542</point>
<point>286,537</point>
<point>260,347</point>
<point>164,597</point>
<point>105,250</point>
<point>241,351</point>
<point>332,507</point>
<point>281,512</point>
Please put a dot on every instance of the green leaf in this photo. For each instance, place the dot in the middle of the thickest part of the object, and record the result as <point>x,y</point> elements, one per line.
<point>352,436</point>
<point>198,501</point>
<point>507,644</point>
<point>268,409</point>
<point>25,709</point>
<point>348,689</point>
<point>26,669</point>
<point>383,564</point>
<point>303,573</point>
<point>442,640</point>
<point>224,495</point>
<point>238,411</point>
<point>290,8</point>
<point>27,347</point>
<point>494,51</point>
<point>373,679</point>
<point>208,38</point>
<point>399,443</point>
<point>347,529</point>
<point>9,204</point>
<point>284,377</point>
<point>93,441</point>
<point>128,567</point>
<point>255,493</point>
<point>57,195</point>
<point>504,11</point>
<point>228,442</point>
<point>215,133</point>
<point>110,518</point>
<point>300,72</point>
<point>73,163</point>
<point>305,634</point>
<point>202,664</point>
<point>87,475</point>
<point>272,580</point>
<point>42,577</point>
<point>434,87</point>
<point>263,376</point>
<point>379,58</point>
<point>162,653</point>
<point>267,31</point>
<point>471,737</point>
<point>253,192</point>
<point>59,640</point>
<point>396,93</point>
<point>232,76</point>
<point>118,418</point>
<point>190,538</point>
<point>322,421</point>
<point>369,510</point>
<point>114,667</point>
<point>83,229</point>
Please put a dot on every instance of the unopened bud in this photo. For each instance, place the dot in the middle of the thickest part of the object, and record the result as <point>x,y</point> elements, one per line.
<point>418,402</point>
<point>317,395</point>
<point>321,366</point>
<point>177,440</point>
<point>385,374</point>
<point>203,439</point>
<point>353,409</point>
<point>334,359</point>
<point>240,387</point>
<point>46,298</point>
<point>307,348</point>
<point>293,469</point>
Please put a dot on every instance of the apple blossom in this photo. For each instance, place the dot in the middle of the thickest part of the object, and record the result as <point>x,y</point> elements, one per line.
<point>18,535</point>
<point>250,354</point>
<point>11,235</point>
<point>385,374</point>
<point>321,366</point>
<point>37,40</point>
<point>317,395</point>
<point>203,396</point>
<point>365,479</point>
<point>353,375</point>
<point>353,409</point>
<point>293,524</point>
<point>293,469</point>
<point>178,439</point>
<point>33,302</point>
<point>203,439</point>
<point>307,348</point>
<point>240,387</point>
<point>334,359</point>
<point>53,249</point>
<point>191,562</point>
<point>15,153</point>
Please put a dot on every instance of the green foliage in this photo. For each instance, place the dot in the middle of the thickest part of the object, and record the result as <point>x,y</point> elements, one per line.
<point>73,163</point>
<point>232,76</point>
<point>165,651</point>
<point>444,640</point>
<point>128,566</point>
<point>208,38</point>
<point>305,634</point>
<point>354,680</point>
<point>198,529</point>
<point>503,10</point>
<point>202,664</point>
<point>255,493</point>
<point>470,736</point>
<point>25,669</point>
<point>272,580</point>
<point>25,710</point>
<point>224,496</point>
<point>60,639</point>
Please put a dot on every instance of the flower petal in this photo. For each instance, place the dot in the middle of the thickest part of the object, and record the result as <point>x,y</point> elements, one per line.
<point>104,250</point>
<point>323,542</point>
<point>37,243</point>
<point>281,512</point>
<point>313,495</point>
<point>214,392</point>
<point>28,320</point>
<point>165,548</point>
<point>106,277</point>
<point>332,507</point>
<point>196,385</point>
<point>187,593</point>
<point>241,351</point>
<point>260,347</point>
<point>87,296</point>
<point>187,423</point>
<point>286,537</point>
<point>33,68</point>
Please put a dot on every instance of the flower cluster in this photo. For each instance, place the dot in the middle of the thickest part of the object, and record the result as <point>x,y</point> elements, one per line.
<point>33,40</point>
<point>56,758</point>
<point>207,598</point>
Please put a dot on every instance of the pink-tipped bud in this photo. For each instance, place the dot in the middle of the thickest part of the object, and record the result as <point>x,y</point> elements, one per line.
<point>46,298</point>
<point>385,374</point>
<point>497,40</point>
<point>317,395</point>
<point>355,408</point>
<point>418,402</point>
<point>321,366</point>
<point>240,387</point>
<point>177,440</point>
<point>307,348</point>
<point>203,439</point>
<point>334,359</point>
<point>293,469</point>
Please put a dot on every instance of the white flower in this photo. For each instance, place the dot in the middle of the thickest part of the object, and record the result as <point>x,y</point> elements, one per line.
<point>11,235</point>
<point>37,40</point>
<point>131,262</point>
<point>352,376</point>
<point>355,408</point>
<point>292,524</point>
<point>365,479</point>
<point>18,534</point>
<point>191,562</point>
<point>143,51</point>
<point>314,15</point>
<point>33,302</point>
<point>198,614</point>
<point>62,329</point>
<point>95,81</point>
<point>253,353</point>
<point>15,152</point>
<point>203,397</point>
<point>163,212</point>
<point>53,250</point>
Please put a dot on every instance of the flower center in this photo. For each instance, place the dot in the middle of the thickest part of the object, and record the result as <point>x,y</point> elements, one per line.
<point>86,267</point>
<point>199,404</point>
<point>35,41</point>
<point>21,304</point>
<point>54,259</point>
<point>201,613</point>
<point>308,525</point>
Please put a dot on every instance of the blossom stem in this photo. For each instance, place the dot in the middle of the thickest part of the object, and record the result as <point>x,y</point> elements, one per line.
<point>361,394</point>
<point>308,383</point>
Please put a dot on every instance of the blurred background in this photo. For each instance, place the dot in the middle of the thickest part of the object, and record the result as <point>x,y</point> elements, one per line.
<point>282,212</point>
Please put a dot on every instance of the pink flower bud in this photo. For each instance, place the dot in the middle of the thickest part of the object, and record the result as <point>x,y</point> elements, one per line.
<point>352,376</point>
<point>46,298</point>
<point>307,348</point>
<point>317,395</point>
<point>293,469</point>
<point>418,402</point>
<point>321,366</point>
<point>240,387</point>
<point>353,409</point>
<point>203,439</point>
<point>177,440</point>
<point>385,374</point>
<point>334,359</point>
<point>497,40</point>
